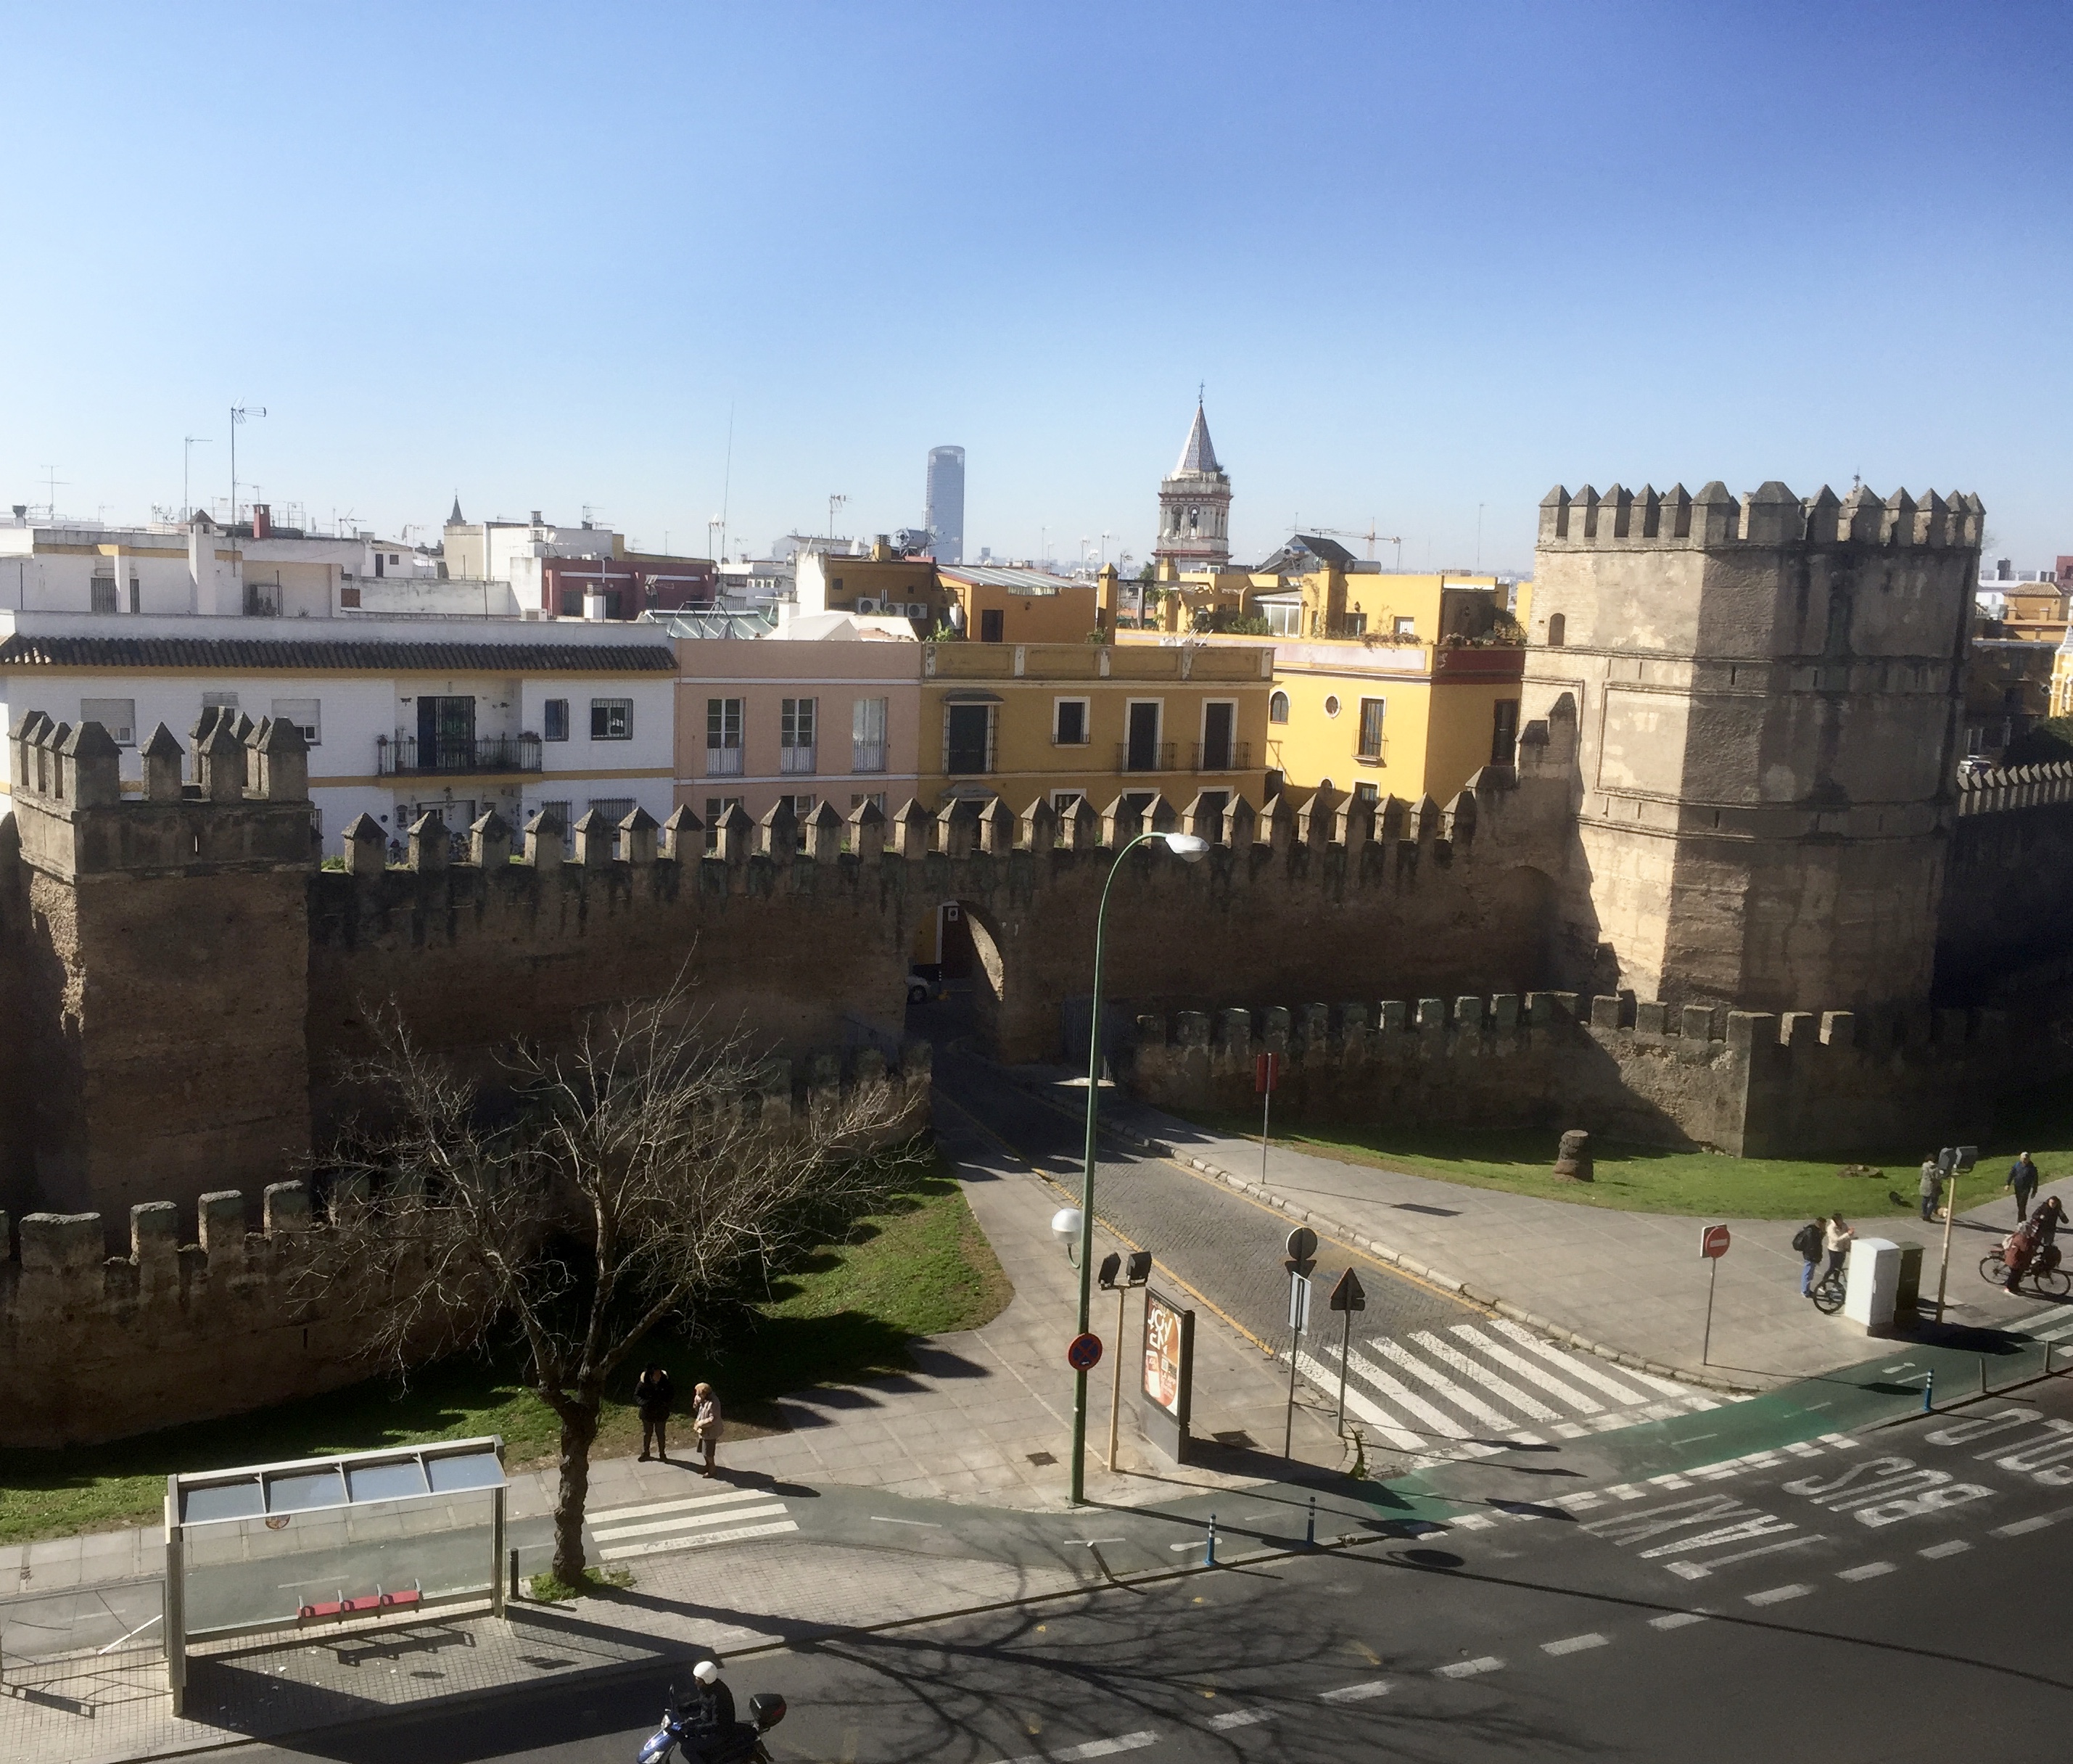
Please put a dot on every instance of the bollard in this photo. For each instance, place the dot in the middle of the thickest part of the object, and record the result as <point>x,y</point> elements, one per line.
<point>1310,1528</point>
<point>514,1574</point>
<point>1209,1560</point>
<point>1929,1387</point>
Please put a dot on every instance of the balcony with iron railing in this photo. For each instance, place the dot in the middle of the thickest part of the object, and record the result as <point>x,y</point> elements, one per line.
<point>1144,756</point>
<point>724,762</point>
<point>1221,756</point>
<point>405,756</point>
<point>866,756</point>
<point>797,759</point>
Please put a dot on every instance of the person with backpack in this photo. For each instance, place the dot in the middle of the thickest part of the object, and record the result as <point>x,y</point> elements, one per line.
<point>1807,1240</point>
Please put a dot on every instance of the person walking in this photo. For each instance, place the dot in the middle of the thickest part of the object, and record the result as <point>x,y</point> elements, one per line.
<point>656,1398</point>
<point>1932,1185</point>
<point>2023,1178</point>
<point>706,1421</point>
<point>1835,1236</point>
<point>1807,1240</point>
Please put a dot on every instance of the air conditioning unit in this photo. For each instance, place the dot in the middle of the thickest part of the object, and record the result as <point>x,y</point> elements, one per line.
<point>917,610</point>
<point>866,606</point>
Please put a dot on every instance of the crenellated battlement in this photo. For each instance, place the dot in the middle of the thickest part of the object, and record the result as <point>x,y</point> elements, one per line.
<point>206,1315</point>
<point>1771,515</point>
<point>1742,1082</point>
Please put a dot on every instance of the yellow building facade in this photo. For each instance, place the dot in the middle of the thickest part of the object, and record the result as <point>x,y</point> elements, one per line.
<point>1099,720</point>
<point>999,603</point>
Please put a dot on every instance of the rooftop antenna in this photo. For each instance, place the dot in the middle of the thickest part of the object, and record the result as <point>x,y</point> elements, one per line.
<point>189,442</point>
<point>725,482</point>
<point>52,478</point>
<point>238,415</point>
<point>834,502</point>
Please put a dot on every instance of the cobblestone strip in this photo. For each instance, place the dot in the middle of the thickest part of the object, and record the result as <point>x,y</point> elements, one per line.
<point>1682,1375</point>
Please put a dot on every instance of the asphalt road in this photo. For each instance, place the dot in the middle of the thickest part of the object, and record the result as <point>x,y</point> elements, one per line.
<point>1889,1600</point>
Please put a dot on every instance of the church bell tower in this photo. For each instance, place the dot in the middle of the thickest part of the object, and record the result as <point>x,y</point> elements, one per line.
<point>1194,506</point>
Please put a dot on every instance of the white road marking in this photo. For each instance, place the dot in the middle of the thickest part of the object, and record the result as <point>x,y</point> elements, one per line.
<point>1801,1449</point>
<point>1473,1522</point>
<point>1124,1742</point>
<point>1464,1400</point>
<point>1625,1491</point>
<point>1489,1662</point>
<point>1688,1571</point>
<point>1676,1620</point>
<point>1740,1556</point>
<point>1526,1368</point>
<point>1582,1370</point>
<point>1221,1724</point>
<point>1777,1595</point>
<point>1866,1571</point>
<point>1356,1693</point>
<point>1437,1419</point>
<point>613,1515</point>
<point>1387,1426</point>
<point>684,1524</point>
<point>931,1525</point>
<point>2037,1523</point>
<point>699,1542</point>
<point>1956,1546</point>
<point>1672,1481</point>
<point>1573,1644</point>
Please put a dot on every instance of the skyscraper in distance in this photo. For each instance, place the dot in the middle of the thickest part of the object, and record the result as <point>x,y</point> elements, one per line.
<point>944,514</point>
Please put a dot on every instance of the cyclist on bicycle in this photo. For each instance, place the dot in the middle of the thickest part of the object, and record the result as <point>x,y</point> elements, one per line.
<point>1835,1236</point>
<point>2033,1243</point>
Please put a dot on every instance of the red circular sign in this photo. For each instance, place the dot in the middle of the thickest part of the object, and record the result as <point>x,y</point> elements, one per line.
<point>1713,1242</point>
<point>1083,1352</point>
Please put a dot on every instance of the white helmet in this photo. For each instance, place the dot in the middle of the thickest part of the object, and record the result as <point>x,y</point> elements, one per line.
<point>706,1671</point>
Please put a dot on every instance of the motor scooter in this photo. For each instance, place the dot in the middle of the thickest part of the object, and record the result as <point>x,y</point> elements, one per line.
<point>685,1733</point>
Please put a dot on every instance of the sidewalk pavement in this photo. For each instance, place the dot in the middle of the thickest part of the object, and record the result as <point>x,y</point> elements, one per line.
<point>1633,1285</point>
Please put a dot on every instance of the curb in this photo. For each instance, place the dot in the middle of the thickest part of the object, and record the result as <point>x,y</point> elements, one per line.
<point>1396,1258</point>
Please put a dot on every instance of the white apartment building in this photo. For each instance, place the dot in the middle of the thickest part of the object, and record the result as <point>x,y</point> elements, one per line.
<point>403,716</point>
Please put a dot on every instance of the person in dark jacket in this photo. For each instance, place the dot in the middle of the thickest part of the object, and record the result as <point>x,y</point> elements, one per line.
<point>655,1397</point>
<point>2023,1178</point>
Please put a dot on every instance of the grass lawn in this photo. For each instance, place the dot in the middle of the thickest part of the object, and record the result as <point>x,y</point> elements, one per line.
<point>1647,1179</point>
<point>919,1268</point>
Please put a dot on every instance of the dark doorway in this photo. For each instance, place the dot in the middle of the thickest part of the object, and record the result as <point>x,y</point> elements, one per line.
<point>1143,753</point>
<point>446,734</point>
<point>1217,736</point>
<point>992,622</point>
<point>968,725</point>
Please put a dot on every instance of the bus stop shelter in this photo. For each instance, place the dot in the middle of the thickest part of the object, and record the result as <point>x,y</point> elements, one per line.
<point>358,1537</point>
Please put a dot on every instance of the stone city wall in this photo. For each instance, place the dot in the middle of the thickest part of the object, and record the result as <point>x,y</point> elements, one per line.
<point>1749,1083</point>
<point>94,1347</point>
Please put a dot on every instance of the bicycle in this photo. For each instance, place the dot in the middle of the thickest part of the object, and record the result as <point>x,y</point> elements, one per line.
<point>1826,1292</point>
<point>2047,1279</point>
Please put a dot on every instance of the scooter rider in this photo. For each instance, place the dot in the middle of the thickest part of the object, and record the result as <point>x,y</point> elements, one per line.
<point>712,1723</point>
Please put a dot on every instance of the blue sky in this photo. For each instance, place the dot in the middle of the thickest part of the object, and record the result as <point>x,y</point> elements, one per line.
<point>1428,260</point>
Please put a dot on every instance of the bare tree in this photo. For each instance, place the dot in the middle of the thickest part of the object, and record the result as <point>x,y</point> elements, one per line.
<point>625,1182</point>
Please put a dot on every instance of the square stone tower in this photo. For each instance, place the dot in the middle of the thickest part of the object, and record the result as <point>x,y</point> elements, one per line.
<point>1763,693</point>
<point>166,965</point>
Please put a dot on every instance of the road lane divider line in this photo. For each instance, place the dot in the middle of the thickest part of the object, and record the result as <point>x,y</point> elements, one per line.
<point>1676,1620</point>
<point>1489,1662</point>
<point>1356,1693</point>
<point>1575,1644</point>
<point>1122,1742</point>
<point>1223,1724</point>
<point>1866,1571</point>
<point>1956,1546</point>
<point>1777,1595</point>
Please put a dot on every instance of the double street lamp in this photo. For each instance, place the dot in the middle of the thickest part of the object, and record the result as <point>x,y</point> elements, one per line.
<point>1190,848</point>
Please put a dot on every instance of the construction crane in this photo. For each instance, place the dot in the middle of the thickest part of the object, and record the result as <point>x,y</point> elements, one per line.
<point>1370,536</point>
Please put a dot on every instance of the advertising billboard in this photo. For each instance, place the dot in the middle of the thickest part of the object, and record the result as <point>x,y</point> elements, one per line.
<point>1169,1375</point>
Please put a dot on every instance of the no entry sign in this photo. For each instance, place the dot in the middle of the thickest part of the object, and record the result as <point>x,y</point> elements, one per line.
<point>1083,1352</point>
<point>1266,1073</point>
<point>1713,1242</point>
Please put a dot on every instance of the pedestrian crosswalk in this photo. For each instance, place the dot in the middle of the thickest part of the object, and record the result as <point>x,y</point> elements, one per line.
<point>690,1524</point>
<point>2057,1327</point>
<point>1475,1389</point>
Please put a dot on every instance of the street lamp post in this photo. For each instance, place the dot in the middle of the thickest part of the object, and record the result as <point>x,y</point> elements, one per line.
<point>1190,848</point>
